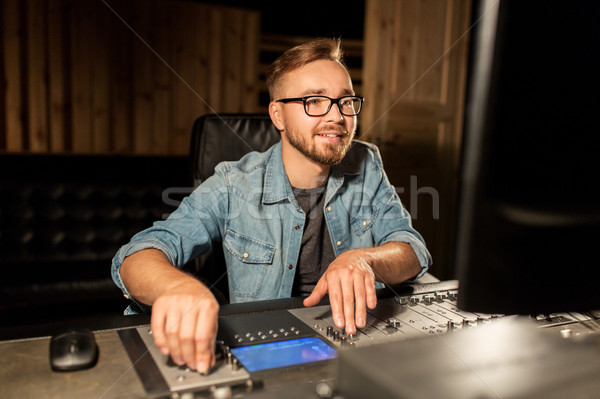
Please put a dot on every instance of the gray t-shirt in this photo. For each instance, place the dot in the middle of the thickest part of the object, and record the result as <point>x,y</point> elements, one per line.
<point>316,250</point>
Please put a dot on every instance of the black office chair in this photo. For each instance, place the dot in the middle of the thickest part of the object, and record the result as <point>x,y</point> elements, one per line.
<point>218,138</point>
<point>228,137</point>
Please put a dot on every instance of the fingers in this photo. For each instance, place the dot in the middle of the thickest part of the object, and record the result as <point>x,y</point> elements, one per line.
<point>157,325</point>
<point>317,294</point>
<point>371,292</point>
<point>205,340</point>
<point>351,292</point>
<point>183,341</point>
<point>172,329</point>
<point>336,301</point>
<point>341,300</point>
<point>186,328</point>
<point>360,305</point>
<point>347,305</point>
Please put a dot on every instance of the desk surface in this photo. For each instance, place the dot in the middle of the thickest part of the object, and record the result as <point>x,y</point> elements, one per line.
<point>25,369</point>
<point>25,372</point>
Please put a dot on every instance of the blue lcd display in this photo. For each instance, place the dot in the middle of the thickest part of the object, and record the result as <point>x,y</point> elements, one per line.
<point>283,353</point>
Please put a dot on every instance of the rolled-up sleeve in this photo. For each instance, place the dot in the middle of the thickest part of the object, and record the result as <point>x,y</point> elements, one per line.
<point>417,245</point>
<point>187,233</point>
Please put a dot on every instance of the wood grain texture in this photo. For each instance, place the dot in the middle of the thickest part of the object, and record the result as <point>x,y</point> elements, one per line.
<point>121,77</point>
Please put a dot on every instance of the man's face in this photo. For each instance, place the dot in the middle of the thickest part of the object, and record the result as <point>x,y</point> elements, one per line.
<point>323,139</point>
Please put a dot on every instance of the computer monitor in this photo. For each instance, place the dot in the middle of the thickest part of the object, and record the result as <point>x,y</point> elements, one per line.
<point>528,230</point>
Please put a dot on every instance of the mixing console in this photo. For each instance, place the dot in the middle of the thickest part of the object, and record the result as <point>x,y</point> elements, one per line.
<point>402,317</point>
<point>294,337</point>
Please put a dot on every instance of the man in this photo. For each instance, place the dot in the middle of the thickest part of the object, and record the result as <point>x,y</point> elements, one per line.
<point>313,215</point>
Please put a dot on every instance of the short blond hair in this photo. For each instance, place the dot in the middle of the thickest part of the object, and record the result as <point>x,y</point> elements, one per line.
<point>296,57</point>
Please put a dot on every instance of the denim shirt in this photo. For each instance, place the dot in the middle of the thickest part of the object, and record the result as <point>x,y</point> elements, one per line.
<point>250,207</point>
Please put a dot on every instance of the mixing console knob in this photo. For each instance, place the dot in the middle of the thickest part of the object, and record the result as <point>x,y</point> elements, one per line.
<point>452,325</point>
<point>224,352</point>
<point>336,335</point>
<point>344,340</point>
<point>324,391</point>
<point>401,301</point>
<point>329,331</point>
<point>393,322</point>
<point>566,333</point>
<point>220,392</point>
<point>471,321</point>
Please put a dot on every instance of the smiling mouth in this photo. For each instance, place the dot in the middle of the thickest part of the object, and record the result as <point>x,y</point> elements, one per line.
<point>332,132</point>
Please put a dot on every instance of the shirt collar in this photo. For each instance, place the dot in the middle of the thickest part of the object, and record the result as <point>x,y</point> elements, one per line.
<point>276,186</point>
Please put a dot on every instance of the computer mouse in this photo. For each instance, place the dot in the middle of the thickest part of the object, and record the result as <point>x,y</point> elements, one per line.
<point>74,349</point>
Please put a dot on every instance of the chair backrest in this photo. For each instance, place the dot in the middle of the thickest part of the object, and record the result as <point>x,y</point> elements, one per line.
<point>228,137</point>
<point>218,138</point>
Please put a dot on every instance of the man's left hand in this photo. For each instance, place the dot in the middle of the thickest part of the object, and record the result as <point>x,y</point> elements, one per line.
<point>350,282</point>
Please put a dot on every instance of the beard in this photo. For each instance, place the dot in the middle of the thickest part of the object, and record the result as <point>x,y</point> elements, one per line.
<point>325,154</point>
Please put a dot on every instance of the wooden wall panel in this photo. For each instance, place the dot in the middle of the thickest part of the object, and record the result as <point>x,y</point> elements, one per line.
<point>12,57</point>
<point>37,106</point>
<point>185,90</point>
<point>158,136</point>
<point>414,82</point>
<point>57,69</point>
<point>80,63</point>
<point>215,93</point>
<point>250,61</point>
<point>127,76</point>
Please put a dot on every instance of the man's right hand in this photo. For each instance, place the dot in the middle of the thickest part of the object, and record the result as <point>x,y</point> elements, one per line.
<point>184,325</point>
<point>184,311</point>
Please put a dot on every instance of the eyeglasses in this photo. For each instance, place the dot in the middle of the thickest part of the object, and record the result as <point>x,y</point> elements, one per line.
<point>320,105</point>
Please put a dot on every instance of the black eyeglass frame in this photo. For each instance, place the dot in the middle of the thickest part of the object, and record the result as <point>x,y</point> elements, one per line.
<point>331,102</point>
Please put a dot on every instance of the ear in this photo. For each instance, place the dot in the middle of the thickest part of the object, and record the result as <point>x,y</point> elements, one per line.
<point>276,116</point>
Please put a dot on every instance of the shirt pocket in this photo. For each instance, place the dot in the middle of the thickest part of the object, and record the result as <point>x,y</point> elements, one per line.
<point>248,263</point>
<point>362,218</point>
